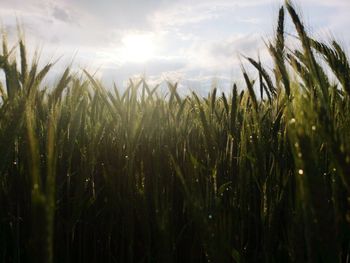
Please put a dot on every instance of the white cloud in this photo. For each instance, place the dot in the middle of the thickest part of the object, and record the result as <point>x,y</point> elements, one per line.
<point>193,41</point>
<point>332,3</point>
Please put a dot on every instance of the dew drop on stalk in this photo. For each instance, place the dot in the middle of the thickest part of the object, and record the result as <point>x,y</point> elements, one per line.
<point>210,216</point>
<point>301,171</point>
<point>292,121</point>
<point>250,138</point>
<point>313,127</point>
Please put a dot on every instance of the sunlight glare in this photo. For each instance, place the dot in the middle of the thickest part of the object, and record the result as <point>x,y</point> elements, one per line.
<point>138,47</point>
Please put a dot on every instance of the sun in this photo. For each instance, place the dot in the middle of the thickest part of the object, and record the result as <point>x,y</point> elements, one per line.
<point>137,48</point>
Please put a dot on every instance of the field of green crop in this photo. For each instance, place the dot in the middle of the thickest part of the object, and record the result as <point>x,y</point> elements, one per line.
<point>92,174</point>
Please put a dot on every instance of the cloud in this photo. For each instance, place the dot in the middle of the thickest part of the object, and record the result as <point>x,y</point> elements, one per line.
<point>184,13</point>
<point>243,44</point>
<point>196,41</point>
<point>119,14</point>
<point>61,14</point>
<point>333,3</point>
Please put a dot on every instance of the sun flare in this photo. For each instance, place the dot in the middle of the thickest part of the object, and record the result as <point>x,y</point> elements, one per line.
<point>138,47</point>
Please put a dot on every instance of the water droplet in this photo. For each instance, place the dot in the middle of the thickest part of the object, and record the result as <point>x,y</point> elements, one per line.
<point>210,216</point>
<point>126,157</point>
<point>14,163</point>
<point>296,145</point>
<point>300,155</point>
<point>292,121</point>
<point>334,169</point>
<point>313,127</point>
<point>301,172</point>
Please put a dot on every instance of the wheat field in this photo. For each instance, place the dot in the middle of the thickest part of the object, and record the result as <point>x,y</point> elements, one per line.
<point>92,174</point>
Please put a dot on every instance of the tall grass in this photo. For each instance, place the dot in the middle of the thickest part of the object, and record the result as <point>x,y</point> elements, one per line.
<point>90,174</point>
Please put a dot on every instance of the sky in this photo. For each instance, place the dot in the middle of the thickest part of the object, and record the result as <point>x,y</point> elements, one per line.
<point>198,43</point>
